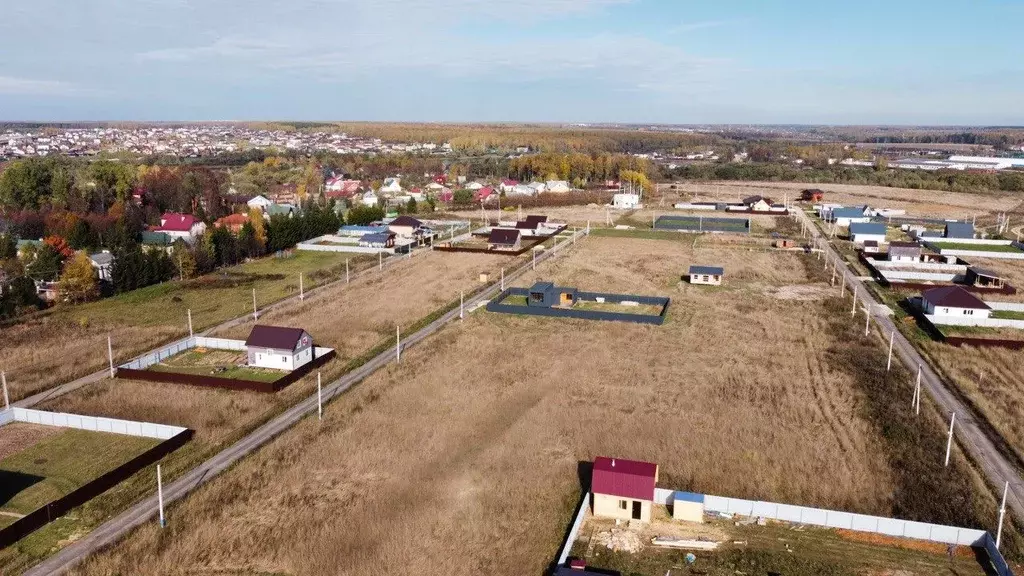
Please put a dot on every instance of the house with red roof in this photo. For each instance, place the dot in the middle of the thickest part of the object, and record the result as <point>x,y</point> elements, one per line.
<point>484,194</point>
<point>341,188</point>
<point>177,225</point>
<point>508,184</point>
<point>233,222</point>
<point>623,489</point>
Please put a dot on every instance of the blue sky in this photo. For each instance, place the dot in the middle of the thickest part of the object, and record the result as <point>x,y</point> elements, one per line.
<point>670,61</point>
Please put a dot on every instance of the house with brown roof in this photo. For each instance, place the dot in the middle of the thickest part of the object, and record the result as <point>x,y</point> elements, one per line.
<point>233,222</point>
<point>279,347</point>
<point>508,239</point>
<point>623,489</point>
<point>953,301</point>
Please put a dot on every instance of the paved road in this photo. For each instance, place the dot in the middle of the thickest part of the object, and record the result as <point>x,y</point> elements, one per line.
<point>970,433</point>
<point>117,527</point>
<point>30,401</point>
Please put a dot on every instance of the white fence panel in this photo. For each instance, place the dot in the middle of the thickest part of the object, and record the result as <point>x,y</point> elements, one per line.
<point>839,520</point>
<point>789,513</point>
<point>663,496</point>
<point>575,530</point>
<point>1009,306</point>
<point>815,516</point>
<point>891,526</point>
<point>92,423</point>
<point>6,417</point>
<point>766,509</point>
<point>928,276</point>
<point>862,523</point>
<point>219,343</point>
<point>971,321</point>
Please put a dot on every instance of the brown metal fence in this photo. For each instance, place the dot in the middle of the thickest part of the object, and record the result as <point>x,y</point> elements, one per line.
<point>50,512</point>
<point>538,240</point>
<point>225,383</point>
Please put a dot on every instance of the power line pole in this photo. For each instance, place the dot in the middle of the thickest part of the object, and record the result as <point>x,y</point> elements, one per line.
<point>7,399</point>
<point>1002,514</point>
<point>949,443</point>
<point>190,323</point>
<point>160,496</point>
<point>319,398</point>
<point>110,355</point>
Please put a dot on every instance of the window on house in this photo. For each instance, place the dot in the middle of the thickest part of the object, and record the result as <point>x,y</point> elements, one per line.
<point>971,312</point>
<point>705,278</point>
<point>284,358</point>
<point>623,505</point>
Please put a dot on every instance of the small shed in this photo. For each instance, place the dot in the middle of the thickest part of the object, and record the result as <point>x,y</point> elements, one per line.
<point>708,275</point>
<point>871,246</point>
<point>783,243</point>
<point>688,507</point>
<point>546,295</point>
<point>962,230</point>
<point>504,239</point>
<point>984,278</point>
<point>279,347</point>
<point>623,489</point>
<point>812,195</point>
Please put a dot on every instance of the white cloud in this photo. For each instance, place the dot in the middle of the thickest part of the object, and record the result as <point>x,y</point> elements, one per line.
<point>10,85</point>
<point>221,48</point>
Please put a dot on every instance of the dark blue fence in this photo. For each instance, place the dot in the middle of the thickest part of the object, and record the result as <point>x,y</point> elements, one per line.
<point>498,305</point>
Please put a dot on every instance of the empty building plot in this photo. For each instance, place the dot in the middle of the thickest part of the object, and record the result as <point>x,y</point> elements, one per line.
<point>702,224</point>
<point>52,462</point>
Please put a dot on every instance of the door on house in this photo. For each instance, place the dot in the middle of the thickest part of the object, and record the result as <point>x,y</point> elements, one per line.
<point>636,509</point>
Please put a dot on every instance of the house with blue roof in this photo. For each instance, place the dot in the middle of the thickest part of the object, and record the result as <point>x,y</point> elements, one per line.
<point>708,275</point>
<point>846,216</point>
<point>864,232</point>
<point>963,230</point>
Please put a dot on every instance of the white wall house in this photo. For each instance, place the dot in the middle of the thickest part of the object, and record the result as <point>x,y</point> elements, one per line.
<point>861,232</point>
<point>559,186</point>
<point>184,226</point>
<point>626,201</point>
<point>369,199</point>
<point>259,202</point>
<point>392,186</point>
<point>279,348</point>
<point>953,301</point>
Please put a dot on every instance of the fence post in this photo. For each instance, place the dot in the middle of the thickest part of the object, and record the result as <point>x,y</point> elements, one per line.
<point>503,279</point>
<point>160,496</point>
<point>853,309</point>
<point>110,355</point>
<point>1002,514</point>
<point>949,443</point>
<point>867,321</point>
<point>7,399</point>
<point>888,366</point>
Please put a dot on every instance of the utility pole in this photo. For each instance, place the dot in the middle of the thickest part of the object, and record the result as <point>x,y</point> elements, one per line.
<point>319,398</point>
<point>503,279</point>
<point>462,305</point>
<point>949,443</point>
<point>915,404</point>
<point>1002,514</point>
<point>190,322</point>
<point>302,293</point>
<point>888,367</point>
<point>867,321</point>
<point>842,291</point>
<point>110,355</point>
<point>255,313</point>
<point>853,310</point>
<point>160,496</point>
<point>7,399</point>
<point>398,343</point>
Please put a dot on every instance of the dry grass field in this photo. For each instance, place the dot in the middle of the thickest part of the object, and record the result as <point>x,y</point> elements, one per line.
<point>937,203</point>
<point>992,379</point>
<point>353,319</point>
<point>18,435</point>
<point>464,458</point>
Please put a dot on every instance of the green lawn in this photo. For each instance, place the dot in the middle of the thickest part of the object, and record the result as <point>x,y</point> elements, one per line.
<point>1007,315</point>
<point>218,363</point>
<point>220,295</point>
<point>977,247</point>
<point>647,234</point>
<point>59,464</point>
